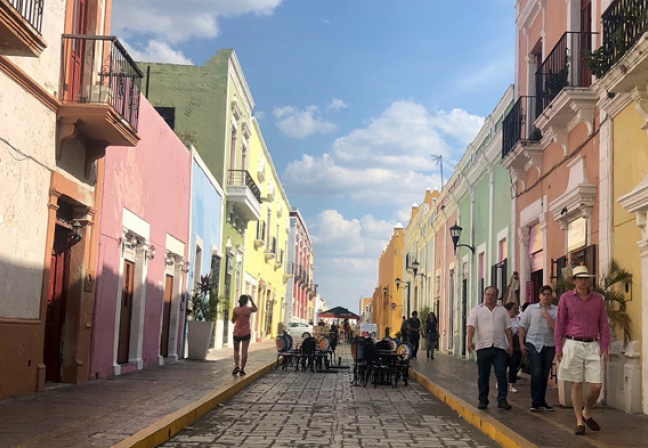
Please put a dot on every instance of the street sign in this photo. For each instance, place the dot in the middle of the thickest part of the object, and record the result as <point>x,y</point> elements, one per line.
<point>393,306</point>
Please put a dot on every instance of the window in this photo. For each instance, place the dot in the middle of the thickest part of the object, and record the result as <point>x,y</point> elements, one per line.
<point>167,114</point>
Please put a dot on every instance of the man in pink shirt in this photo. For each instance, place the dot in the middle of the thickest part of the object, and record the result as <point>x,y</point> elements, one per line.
<point>582,337</point>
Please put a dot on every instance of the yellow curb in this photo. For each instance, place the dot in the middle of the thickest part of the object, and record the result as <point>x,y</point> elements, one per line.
<point>490,426</point>
<point>164,429</point>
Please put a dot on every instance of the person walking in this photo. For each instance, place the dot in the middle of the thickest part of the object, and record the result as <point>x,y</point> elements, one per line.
<point>537,326</point>
<point>242,332</point>
<point>582,338</point>
<point>431,333</point>
<point>491,325</point>
<point>403,330</point>
<point>514,358</point>
<point>414,332</point>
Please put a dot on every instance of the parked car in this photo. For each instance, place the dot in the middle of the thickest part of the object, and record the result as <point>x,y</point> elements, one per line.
<point>299,330</point>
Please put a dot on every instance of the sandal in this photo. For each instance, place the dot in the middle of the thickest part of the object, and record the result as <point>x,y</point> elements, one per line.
<point>236,370</point>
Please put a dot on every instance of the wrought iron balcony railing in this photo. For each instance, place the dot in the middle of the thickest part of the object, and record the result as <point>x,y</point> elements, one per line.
<point>241,178</point>
<point>623,23</point>
<point>519,125</point>
<point>31,11</point>
<point>98,70</point>
<point>565,66</point>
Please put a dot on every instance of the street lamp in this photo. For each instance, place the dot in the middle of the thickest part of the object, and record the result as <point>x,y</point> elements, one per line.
<point>415,266</point>
<point>398,282</point>
<point>455,233</point>
<point>385,291</point>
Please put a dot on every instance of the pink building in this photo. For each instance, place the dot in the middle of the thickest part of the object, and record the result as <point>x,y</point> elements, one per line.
<point>143,230</point>
<point>300,289</point>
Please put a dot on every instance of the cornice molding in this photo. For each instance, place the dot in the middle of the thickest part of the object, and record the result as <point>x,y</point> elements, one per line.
<point>29,84</point>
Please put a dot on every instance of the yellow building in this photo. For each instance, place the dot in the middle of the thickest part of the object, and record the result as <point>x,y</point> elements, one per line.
<point>266,242</point>
<point>622,77</point>
<point>388,295</point>
<point>364,309</point>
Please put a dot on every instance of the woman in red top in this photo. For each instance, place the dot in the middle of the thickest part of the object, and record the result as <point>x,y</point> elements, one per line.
<point>242,331</point>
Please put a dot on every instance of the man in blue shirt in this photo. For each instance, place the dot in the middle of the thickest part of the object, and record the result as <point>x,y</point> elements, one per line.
<point>537,324</point>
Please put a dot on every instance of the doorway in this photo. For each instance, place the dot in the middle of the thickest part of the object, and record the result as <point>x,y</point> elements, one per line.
<point>464,305</point>
<point>126,312</point>
<point>536,284</point>
<point>57,293</point>
<point>451,311</point>
<point>166,316</point>
<point>74,81</point>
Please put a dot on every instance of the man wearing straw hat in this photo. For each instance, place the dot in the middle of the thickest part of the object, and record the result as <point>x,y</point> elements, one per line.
<point>582,337</point>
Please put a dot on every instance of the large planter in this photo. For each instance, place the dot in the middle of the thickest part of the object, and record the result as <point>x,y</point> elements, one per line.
<point>199,338</point>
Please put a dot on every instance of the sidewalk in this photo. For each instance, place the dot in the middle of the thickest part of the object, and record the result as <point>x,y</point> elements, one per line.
<point>454,381</point>
<point>130,408</point>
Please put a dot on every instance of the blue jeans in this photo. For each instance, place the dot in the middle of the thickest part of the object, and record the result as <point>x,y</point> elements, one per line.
<point>487,357</point>
<point>540,366</point>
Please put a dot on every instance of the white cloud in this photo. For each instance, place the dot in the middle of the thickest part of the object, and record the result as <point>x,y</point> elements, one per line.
<point>156,51</point>
<point>301,123</point>
<point>336,234</point>
<point>259,115</point>
<point>177,21</point>
<point>388,162</point>
<point>337,104</point>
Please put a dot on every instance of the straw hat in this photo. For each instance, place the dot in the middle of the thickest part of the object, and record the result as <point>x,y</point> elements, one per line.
<point>580,271</point>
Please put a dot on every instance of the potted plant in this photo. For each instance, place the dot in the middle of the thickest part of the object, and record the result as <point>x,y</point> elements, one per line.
<point>203,311</point>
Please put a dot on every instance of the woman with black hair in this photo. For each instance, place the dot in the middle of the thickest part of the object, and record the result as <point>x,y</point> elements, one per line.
<point>242,332</point>
<point>431,334</point>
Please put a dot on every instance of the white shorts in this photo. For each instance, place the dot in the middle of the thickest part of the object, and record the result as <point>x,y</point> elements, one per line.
<point>581,362</point>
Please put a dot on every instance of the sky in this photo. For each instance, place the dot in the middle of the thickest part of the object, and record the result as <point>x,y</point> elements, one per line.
<point>353,97</point>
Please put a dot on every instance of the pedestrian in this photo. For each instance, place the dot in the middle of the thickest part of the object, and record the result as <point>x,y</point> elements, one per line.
<point>514,358</point>
<point>242,332</point>
<point>414,332</point>
<point>537,325</point>
<point>431,333</point>
<point>582,337</point>
<point>491,325</point>
<point>403,330</point>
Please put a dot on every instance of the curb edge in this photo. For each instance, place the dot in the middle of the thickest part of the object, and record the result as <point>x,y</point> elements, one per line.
<point>488,425</point>
<point>162,430</point>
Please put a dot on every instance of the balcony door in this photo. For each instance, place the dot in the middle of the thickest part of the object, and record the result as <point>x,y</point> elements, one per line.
<point>126,312</point>
<point>585,42</point>
<point>75,74</point>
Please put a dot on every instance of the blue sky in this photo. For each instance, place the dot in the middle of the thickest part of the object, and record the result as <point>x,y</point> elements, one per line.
<point>352,96</point>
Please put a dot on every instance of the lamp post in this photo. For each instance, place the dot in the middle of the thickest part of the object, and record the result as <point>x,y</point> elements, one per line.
<point>455,233</point>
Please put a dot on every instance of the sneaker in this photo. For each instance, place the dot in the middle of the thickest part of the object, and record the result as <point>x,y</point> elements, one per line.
<point>513,390</point>
<point>503,404</point>
<point>546,407</point>
<point>236,370</point>
<point>483,404</point>
<point>534,409</point>
<point>242,372</point>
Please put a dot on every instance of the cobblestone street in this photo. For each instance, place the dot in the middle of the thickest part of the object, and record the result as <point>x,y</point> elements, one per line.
<point>303,409</point>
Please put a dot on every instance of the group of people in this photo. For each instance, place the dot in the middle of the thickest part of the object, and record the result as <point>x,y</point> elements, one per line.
<point>576,333</point>
<point>411,332</point>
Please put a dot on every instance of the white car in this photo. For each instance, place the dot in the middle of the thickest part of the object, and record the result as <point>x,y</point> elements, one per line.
<point>298,330</point>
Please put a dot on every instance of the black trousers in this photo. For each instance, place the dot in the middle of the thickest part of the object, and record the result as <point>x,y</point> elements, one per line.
<point>414,339</point>
<point>487,357</point>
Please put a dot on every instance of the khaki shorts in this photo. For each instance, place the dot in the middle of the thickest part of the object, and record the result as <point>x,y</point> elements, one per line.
<point>581,362</point>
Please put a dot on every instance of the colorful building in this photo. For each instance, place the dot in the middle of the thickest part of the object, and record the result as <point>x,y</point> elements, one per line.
<point>138,317</point>
<point>387,298</point>
<point>205,254</point>
<point>300,288</point>
<point>364,309</point>
<point>63,117</point>
<point>211,107</point>
<point>266,244</point>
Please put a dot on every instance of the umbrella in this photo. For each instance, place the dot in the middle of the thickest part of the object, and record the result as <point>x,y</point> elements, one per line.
<point>339,313</point>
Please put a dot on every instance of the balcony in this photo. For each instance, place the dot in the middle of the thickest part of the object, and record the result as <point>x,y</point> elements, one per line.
<point>271,249</point>
<point>243,195</point>
<point>562,89</point>
<point>20,28</point>
<point>259,240</point>
<point>521,147</point>
<point>100,95</point>
<point>622,61</point>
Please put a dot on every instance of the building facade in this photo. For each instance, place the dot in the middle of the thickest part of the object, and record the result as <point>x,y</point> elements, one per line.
<point>63,117</point>
<point>138,320</point>
<point>387,299</point>
<point>299,288</point>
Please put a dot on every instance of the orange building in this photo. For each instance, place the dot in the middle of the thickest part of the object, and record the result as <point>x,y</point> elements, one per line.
<point>387,298</point>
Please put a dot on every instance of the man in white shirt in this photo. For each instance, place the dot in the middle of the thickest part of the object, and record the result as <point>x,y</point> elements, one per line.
<point>537,324</point>
<point>491,324</point>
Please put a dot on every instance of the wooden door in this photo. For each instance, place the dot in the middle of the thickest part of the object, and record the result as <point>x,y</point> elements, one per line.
<point>126,312</point>
<point>77,50</point>
<point>55,314</point>
<point>166,316</point>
